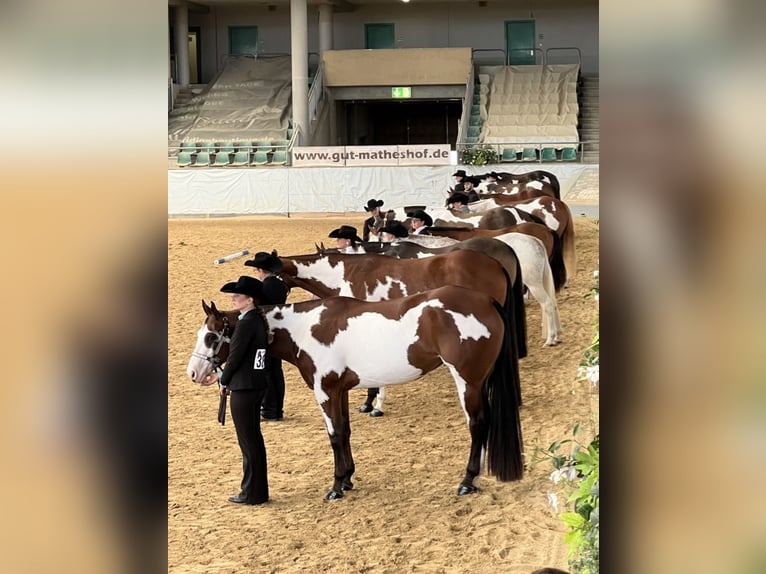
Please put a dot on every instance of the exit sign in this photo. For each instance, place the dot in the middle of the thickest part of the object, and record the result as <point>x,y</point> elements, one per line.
<point>401,92</point>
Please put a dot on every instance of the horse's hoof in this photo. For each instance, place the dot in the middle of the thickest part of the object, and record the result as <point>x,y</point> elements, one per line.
<point>348,485</point>
<point>376,413</point>
<point>463,489</point>
<point>333,495</point>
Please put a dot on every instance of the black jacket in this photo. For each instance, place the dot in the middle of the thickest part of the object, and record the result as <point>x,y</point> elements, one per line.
<point>244,369</point>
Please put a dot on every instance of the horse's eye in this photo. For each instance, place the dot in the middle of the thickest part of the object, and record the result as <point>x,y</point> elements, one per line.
<point>210,339</point>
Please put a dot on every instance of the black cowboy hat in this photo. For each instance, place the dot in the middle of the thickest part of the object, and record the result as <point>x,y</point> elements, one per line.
<point>460,172</point>
<point>491,174</point>
<point>455,197</point>
<point>422,216</point>
<point>372,204</point>
<point>395,228</point>
<point>345,232</point>
<point>245,285</point>
<point>265,261</point>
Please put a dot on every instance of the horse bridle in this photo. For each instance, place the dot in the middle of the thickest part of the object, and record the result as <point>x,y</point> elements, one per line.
<point>222,336</point>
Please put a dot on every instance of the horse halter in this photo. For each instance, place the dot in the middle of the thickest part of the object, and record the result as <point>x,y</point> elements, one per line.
<point>222,336</point>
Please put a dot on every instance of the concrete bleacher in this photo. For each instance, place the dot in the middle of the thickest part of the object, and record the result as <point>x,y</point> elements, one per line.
<point>242,117</point>
<point>529,112</point>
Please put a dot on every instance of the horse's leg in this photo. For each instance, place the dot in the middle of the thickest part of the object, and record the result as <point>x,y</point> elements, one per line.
<point>472,401</point>
<point>335,412</point>
<point>377,410</point>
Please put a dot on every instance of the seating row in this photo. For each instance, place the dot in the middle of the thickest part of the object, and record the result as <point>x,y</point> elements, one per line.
<point>542,154</point>
<point>233,147</point>
<point>239,158</point>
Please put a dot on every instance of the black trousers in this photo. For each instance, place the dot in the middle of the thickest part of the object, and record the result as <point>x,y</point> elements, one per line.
<point>274,400</point>
<point>246,414</point>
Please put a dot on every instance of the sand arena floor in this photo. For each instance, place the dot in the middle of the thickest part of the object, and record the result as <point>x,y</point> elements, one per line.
<point>403,514</point>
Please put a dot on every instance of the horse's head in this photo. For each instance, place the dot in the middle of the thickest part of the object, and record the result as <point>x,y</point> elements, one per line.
<point>212,347</point>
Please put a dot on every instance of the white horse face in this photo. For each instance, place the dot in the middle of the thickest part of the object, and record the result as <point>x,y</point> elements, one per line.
<point>201,362</point>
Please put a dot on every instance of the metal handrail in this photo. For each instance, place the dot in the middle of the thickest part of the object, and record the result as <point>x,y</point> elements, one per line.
<point>576,49</point>
<point>467,103</point>
<point>475,50</point>
<point>525,51</point>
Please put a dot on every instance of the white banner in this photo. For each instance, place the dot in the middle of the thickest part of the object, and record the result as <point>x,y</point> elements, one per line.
<point>385,155</point>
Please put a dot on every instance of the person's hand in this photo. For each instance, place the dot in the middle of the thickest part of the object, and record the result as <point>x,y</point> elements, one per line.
<point>211,379</point>
<point>224,391</point>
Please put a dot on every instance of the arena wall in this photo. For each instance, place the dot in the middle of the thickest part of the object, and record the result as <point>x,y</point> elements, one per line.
<point>432,25</point>
<point>219,192</point>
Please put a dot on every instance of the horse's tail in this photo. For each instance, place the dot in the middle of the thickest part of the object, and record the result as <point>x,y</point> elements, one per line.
<point>556,260</point>
<point>516,309</point>
<point>504,443</point>
<point>568,246</point>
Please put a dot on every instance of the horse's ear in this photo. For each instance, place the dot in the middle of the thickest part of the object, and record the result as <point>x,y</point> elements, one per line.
<point>274,253</point>
<point>321,243</point>
<point>316,247</point>
<point>213,309</point>
<point>205,308</point>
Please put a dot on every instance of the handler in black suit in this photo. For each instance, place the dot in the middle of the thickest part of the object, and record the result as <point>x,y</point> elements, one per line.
<point>244,376</point>
<point>274,293</point>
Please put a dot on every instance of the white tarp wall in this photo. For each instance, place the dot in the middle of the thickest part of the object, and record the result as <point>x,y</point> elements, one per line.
<point>326,189</point>
<point>525,104</point>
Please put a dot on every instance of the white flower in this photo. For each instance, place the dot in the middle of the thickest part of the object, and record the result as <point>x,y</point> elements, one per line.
<point>553,500</point>
<point>595,274</point>
<point>591,373</point>
<point>596,296</point>
<point>564,473</point>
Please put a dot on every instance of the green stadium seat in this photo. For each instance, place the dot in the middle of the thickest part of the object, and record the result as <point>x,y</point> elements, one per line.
<point>184,158</point>
<point>227,147</point>
<point>529,154</point>
<point>208,147</point>
<point>279,157</point>
<point>475,110</point>
<point>474,131</point>
<point>509,154</point>
<point>241,157</point>
<point>244,146</point>
<point>569,154</point>
<point>203,159</point>
<point>222,158</point>
<point>189,146</point>
<point>548,154</point>
<point>475,121</point>
<point>260,157</point>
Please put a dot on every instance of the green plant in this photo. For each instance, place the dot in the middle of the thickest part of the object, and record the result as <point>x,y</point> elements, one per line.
<point>480,155</point>
<point>577,474</point>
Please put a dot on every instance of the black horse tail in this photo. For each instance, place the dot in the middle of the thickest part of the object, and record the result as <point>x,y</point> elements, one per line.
<point>556,260</point>
<point>518,313</point>
<point>504,442</point>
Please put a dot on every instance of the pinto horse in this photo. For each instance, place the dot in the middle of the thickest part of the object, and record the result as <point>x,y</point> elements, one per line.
<point>507,181</point>
<point>550,239</point>
<point>374,277</point>
<point>465,330</point>
<point>522,255</point>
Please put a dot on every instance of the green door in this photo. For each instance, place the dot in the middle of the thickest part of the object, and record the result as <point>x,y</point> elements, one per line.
<point>243,39</point>
<point>379,36</point>
<point>520,41</point>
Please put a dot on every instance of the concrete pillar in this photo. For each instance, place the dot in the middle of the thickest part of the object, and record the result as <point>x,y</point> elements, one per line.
<point>300,64</point>
<point>325,27</point>
<point>181,31</point>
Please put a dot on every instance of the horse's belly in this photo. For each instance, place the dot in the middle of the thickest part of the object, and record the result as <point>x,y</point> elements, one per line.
<point>394,375</point>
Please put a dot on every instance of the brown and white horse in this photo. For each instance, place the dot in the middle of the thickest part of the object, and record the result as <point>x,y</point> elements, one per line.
<point>507,181</point>
<point>464,330</point>
<point>373,277</point>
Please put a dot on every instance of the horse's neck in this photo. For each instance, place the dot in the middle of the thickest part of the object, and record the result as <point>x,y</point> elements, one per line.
<point>322,280</point>
<point>289,326</point>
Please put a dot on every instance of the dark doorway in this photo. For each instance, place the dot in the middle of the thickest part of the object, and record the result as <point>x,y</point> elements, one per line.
<point>401,123</point>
